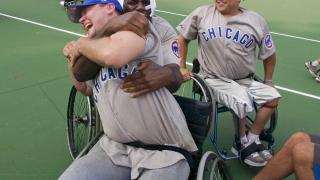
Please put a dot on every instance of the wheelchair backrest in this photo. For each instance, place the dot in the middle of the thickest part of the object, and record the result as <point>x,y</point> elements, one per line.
<point>197,114</point>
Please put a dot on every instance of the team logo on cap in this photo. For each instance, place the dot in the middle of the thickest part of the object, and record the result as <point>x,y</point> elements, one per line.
<point>268,41</point>
<point>175,48</point>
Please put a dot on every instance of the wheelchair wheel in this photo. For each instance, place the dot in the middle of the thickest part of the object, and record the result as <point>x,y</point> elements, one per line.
<point>81,121</point>
<point>195,88</point>
<point>211,167</point>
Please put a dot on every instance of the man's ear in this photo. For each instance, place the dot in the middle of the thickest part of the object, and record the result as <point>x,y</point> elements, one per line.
<point>110,8</point>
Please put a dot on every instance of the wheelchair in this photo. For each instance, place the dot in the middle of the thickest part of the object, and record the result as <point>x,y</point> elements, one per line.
<point>266,135</point>
<point>82,121</point>
<point>84,130</point>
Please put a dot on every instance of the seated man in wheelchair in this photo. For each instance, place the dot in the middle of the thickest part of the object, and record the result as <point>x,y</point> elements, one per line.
<point>154,118</point>
<point>228,36</point>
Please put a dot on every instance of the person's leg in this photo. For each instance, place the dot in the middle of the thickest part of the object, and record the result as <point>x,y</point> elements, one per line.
<point>242,131</point>
<point>266,97</point>
<point>281,164</point>
<point>303,154</point>
<point>241,127</point>
<point>177,171</point>
<point>236,97</point>
<point>263,116</point>
<point>95,165</point>
<point>232,95</point>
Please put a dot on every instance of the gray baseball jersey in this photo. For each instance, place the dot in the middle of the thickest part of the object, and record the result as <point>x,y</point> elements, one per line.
<point>154,118</point>
<point>169,41</point>
<point>227,48</point>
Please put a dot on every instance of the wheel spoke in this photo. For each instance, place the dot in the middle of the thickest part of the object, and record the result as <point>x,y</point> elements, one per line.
<point>79,122</point>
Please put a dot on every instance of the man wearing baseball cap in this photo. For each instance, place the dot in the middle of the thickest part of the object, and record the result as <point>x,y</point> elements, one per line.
<point>153,118</point>
<point>140,82</point>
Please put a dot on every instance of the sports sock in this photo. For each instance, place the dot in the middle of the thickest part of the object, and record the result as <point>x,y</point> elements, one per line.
<point>252,137</point>
<point>244,140</point>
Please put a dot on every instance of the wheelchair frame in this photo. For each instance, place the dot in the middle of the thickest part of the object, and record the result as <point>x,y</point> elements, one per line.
<point>266,134</point>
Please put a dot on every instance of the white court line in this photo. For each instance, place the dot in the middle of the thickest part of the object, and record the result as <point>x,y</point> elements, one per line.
<point>77,34</point>
<point>39,24</point>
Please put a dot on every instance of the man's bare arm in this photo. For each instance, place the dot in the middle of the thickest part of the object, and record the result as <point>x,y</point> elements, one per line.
<point>269,66</point>
<point>150,77</point>
<point>183,50</point>
<point>114,51</point>
<point>134,21</point>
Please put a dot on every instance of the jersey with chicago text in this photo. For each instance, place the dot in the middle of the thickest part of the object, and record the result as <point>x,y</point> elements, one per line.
<point>153,118</point>
<point>227,48</point>
<point>168,38</point>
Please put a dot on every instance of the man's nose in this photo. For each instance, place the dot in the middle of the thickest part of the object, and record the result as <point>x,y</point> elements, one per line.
<point>81,20</point>
<point>140,7</point>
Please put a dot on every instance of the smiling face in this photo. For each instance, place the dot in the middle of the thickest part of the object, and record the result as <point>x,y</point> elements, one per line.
<point>137,5</point>
<point>94,17</point>
<point>228,7</point>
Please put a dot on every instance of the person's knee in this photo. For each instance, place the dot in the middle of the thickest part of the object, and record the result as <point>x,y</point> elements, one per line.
<point>177,171</point>
<point>73,173</point>
<point>299,137</point>
<point>302,154</point>
<point>272,104</point>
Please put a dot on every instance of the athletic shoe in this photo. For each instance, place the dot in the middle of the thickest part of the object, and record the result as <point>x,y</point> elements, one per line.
<point>249,155</point>
<point>264,153</point>
<point>312,69</point>
<point>318,78</point>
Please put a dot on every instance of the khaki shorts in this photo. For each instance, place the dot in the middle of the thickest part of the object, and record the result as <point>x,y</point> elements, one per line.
<point>239,95</point>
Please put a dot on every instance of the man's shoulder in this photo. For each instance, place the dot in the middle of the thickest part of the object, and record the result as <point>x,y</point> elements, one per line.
<point>204,9</point>
<point>252,14</point>
<point>159,21</point>
<point>164,28</point>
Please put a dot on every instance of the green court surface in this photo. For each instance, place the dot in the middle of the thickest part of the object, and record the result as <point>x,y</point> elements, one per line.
<point>35,83</point>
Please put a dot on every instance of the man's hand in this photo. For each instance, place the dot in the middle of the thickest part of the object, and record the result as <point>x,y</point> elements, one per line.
<point>186,74</point>
<point>131,21</point>
<point>82,68</point>
<point>71,52</point>
<point>150,77</point>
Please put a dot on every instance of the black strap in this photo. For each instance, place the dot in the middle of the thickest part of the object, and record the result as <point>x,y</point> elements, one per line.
<point>189,156</point>
<point>261,147</point>
<point>244,153</point>
<point>250,75</point>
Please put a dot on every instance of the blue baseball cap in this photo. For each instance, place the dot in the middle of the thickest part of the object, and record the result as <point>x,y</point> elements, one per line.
<point>74,7</point>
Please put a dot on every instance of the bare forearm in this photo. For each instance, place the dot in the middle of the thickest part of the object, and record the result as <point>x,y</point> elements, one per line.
<point>183,50</point>
<point>91,48</point>
<point>82,87</point>
<point>109,51</point>
<point>269,65</point>
<point>174,78</point>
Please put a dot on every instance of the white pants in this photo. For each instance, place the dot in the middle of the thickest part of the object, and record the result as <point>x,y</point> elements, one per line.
<point>96,165</point>
<point>239,95</point>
